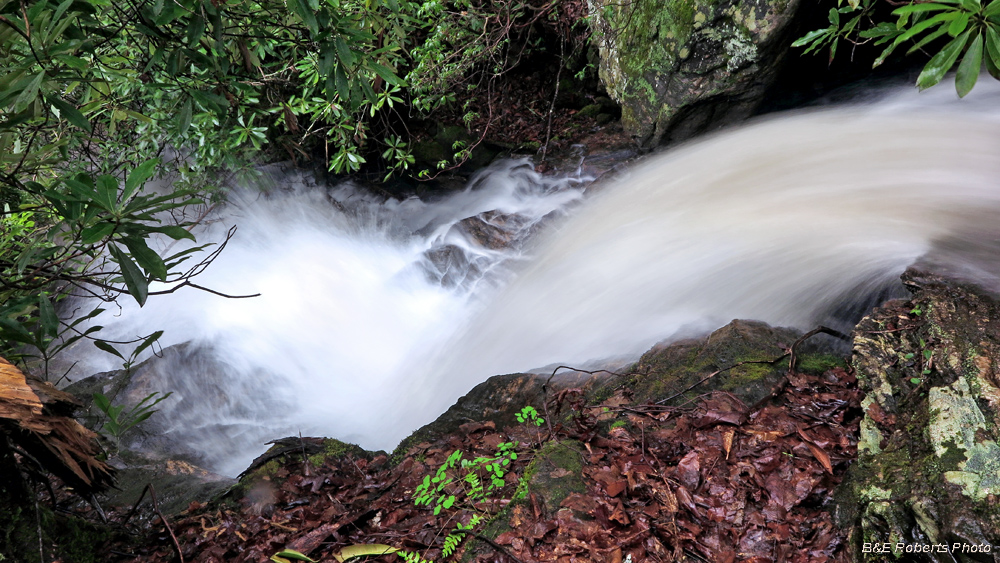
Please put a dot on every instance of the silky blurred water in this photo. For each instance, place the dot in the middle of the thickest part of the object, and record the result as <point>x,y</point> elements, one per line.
<point>795,219</point>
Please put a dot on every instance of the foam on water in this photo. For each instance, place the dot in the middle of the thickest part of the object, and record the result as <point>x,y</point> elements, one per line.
<point>787,220</point>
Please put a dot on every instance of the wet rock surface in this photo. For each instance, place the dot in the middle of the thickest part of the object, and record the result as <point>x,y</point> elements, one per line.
<point>497,401</point>
<point>679,68</point>
<point>669,370</point>
<point>928,469</point>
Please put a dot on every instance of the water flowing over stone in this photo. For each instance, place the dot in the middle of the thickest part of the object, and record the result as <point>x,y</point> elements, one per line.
<point>376,315</point>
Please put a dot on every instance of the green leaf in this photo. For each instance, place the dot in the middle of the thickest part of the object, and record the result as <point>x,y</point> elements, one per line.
<point>195,30</point>
<point>968,69</point>
<point>29,94</point>
<point>174,232</point>
<point>100,400</point>
<point>292,554</point>
<point>343,87</point>
<point>915,380</point>
<point>970,5</point>
<point>959,24</point>
<point>47,316</point>
<point>305,14</point>
<point>185,117</point>
<point>386,73</point>
<point>992,52</point>
<point>107,192</point>
<point>146,257</point>
<point>913,8</point>
<point>135,282</point>
<point>70,112</point>
<point>109,349</point>
<point>927,39</point>
<point>993,9</point>
<point>880,30</point>
<point>912,32</point>
<point>97,232</point>
<point>138,177</point>
<point>344,53</point>
<point>993,42</point>
<point>935,69</point>
<point>146,344</point>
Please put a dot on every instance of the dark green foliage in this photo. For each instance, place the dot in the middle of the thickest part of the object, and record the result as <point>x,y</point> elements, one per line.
<point>970,26</point>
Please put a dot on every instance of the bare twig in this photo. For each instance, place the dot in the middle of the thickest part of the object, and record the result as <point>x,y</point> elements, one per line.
<point>784,380</point>
<point>555,94</point>
<point>497,547</point>
<point>156,509</point>
<point>717,372</point>
<point>545,389</point>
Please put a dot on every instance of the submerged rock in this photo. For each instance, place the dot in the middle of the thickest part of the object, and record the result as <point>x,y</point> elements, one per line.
<point>928,469</point>
<point>680,67</point>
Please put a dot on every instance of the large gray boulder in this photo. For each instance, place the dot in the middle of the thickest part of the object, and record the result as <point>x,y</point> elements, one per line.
<point>680,67</point>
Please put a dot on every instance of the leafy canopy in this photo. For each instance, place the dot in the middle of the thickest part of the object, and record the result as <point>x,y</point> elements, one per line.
<point>967,29</point>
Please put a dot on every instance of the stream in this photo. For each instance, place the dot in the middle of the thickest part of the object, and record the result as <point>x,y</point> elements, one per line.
<point>375,315</point>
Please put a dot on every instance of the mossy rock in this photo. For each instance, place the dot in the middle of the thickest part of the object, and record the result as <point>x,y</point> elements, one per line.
<point>555,473</point>
<point>928,468</point>
<point>177,483</point>
<point>669,370</point>
<point>293,449</point>
<point>679,67</point>
<point>498,400</point>
<point>590,111</point>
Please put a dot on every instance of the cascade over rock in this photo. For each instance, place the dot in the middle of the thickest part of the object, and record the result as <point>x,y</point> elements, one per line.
<point>679,67</point>
<point>928,468</point>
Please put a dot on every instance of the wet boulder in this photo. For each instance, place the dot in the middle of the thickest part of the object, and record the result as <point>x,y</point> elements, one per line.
<point>680,67</point>
<point>928,468</point>
<point>740,355</point>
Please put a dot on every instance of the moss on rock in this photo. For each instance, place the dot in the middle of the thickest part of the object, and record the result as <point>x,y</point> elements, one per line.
<point>928,467</point>
<point>669,369</point>
<point>661,59</point>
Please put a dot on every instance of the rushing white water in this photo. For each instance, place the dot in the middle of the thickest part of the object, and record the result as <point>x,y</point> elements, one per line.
<point>786,221</point>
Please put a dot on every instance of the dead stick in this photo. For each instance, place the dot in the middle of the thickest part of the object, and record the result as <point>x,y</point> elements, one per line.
<point>555,95</point>
<point>783,382</point>
<point>156,509</point>
<point>717,372</point>
<point>545,389</point>
<point>807,336</point>
<point>497,547</point>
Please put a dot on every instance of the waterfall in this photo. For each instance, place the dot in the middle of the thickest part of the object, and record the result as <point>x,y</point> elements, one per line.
<point>361,334</point>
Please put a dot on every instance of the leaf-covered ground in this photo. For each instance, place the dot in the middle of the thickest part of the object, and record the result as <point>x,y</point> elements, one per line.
<point>707,481</point>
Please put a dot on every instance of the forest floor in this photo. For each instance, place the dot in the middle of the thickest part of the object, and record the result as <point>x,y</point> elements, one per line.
<point>712,480</point>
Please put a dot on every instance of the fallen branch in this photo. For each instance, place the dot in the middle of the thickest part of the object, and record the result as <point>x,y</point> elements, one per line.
<point>717,372</point>
<point>156,509</point>
<point>784,380</point>
<point>545,389</point>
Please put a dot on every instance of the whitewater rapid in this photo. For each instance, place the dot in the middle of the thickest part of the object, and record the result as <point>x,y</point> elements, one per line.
<point>794,219</point>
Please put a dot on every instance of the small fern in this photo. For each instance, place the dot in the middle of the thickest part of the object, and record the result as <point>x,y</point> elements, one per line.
<point>455,538</point>
<point>412,557</point>
<point>478,478</point>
